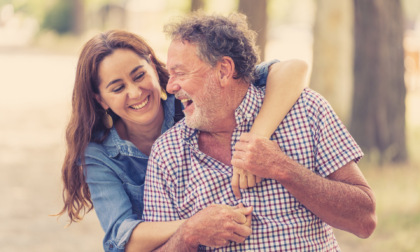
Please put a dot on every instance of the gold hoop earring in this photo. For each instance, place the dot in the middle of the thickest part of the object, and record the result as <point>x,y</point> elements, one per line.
<point>163,94</point>
<point>107,120</point>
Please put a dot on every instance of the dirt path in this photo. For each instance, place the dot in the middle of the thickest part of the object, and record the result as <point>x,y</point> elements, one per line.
<point>34,107</point>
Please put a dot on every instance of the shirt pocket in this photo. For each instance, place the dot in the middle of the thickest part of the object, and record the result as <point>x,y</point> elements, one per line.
<point>135,194</point>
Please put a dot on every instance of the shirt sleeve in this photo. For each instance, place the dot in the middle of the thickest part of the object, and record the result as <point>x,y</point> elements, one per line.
<point>159,202</point>
<point>334,146</point>
<point>261,72</point>
<point>110,200</point>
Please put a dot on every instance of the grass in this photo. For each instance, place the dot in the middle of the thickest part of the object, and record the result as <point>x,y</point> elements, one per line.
<point>397,192</point>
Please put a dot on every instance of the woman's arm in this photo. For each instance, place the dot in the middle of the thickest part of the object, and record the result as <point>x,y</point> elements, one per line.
<point>148,236</point>
<point>285,82</point>
<point>118,207</point>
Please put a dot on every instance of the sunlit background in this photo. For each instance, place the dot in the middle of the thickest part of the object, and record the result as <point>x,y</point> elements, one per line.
<point>39,45</point>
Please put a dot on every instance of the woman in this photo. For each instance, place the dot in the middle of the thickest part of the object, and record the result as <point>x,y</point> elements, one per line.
<point>120,108</point>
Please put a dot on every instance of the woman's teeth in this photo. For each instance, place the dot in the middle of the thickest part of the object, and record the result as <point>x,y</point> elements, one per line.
<point>141,105</point>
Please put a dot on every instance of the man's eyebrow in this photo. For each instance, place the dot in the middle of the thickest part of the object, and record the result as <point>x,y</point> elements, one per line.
<point>131,73</point>
<point>177,66</point>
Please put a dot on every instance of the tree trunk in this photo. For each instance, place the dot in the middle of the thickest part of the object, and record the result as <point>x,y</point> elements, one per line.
<point>77,17</point>
<point>256,11</point>
<point>332,71</point>
<point>197,5</point>
<point>378,116</point>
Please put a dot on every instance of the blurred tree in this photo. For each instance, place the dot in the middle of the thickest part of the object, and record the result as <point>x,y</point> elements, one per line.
<point>78,17</point>
<point>257,19</point>
<point>197,5</point>
<point>65,17</point>
<point>332,69</point>
<point>378,116</point>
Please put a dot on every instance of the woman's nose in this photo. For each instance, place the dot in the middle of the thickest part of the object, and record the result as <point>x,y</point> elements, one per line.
<point>134,91</point>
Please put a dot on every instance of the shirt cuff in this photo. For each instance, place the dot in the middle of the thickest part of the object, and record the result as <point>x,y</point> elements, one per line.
<point>118,242</point>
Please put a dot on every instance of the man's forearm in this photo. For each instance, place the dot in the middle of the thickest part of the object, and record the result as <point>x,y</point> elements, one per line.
<point>343,200</point>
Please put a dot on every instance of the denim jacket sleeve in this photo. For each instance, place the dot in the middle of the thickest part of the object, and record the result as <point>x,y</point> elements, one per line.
<point>111,202</point>
<point>261,72</point>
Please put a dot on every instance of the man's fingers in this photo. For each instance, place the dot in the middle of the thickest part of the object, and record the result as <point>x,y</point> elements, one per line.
<point>244,211</point>
<point>239,216</point>
<point>237,238</point>
<point>248,220</point>
<point>258,179</point>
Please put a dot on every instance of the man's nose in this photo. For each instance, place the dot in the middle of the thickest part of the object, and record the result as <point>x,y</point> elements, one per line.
<point>172,86</point>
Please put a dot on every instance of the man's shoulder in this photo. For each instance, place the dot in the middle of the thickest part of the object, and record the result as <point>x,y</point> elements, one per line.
<point>313,97</point>
<point>313,102</point>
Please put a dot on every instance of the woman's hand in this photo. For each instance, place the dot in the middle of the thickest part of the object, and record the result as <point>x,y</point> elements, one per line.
<point>242,179</point>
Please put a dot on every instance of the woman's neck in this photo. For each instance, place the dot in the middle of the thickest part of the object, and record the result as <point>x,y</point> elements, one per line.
<point>141,135</point>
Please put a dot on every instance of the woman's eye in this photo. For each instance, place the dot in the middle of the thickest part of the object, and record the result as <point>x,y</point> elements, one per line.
<point>139,76</point>
<point>118,89</point>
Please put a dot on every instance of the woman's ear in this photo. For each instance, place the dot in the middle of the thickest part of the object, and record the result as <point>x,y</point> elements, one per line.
<point>226,70</point>
<point>100,101</point>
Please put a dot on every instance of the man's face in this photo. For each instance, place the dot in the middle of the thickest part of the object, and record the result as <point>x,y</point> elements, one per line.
<point>195,83</point>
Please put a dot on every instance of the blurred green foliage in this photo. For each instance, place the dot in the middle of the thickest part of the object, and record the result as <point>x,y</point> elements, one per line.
<point>34,8</point>
<point>57,14</point>
<point>59,17</point>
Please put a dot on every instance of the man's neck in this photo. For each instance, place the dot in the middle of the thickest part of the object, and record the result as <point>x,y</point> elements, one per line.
<point>216,141</point>
<point>216,145</point>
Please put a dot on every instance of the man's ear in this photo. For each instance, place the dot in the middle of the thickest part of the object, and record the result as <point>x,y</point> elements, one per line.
<point>99,100</point>
<point>226,70</point>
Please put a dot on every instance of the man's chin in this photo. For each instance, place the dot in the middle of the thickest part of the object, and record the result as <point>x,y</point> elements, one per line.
<point>193,123</point>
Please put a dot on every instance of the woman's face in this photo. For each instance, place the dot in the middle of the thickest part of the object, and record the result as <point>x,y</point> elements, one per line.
<point>129,85</point>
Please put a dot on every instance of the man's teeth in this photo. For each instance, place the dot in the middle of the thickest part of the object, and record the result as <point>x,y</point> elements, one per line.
<point>141,105</point>
<point>185,100</point>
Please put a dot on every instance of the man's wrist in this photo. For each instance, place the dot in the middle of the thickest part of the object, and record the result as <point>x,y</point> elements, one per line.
<point>188,237</point>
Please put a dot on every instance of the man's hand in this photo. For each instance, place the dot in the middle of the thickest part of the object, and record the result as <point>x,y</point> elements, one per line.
<point>242,179</point>
<point>257,155</point>
<point>218,225</point>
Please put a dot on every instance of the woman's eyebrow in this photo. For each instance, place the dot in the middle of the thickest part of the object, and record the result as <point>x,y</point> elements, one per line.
<point>112,82</point>
<point>135,69</point>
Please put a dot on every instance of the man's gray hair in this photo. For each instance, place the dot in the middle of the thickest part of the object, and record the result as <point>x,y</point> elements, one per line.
<point>217,36</point>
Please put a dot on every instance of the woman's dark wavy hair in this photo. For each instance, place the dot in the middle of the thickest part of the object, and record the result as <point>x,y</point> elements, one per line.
<point>217,36</point>
<point>85,123</point>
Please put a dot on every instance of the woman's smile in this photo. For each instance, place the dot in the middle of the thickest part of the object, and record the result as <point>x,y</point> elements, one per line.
<point>141,105</point>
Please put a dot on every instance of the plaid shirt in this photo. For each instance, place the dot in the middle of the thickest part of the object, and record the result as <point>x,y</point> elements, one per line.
<point>181,179</point>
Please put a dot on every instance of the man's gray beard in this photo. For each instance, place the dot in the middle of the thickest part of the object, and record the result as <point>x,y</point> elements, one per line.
<point>200,120</point>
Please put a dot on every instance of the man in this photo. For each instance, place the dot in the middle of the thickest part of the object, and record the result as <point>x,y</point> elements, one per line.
<point>312,181</point>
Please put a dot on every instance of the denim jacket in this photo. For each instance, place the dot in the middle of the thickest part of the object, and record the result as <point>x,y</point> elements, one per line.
<point>115,172</point>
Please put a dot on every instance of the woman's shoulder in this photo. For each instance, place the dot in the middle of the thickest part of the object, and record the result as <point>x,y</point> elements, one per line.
<point>96,151</point>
